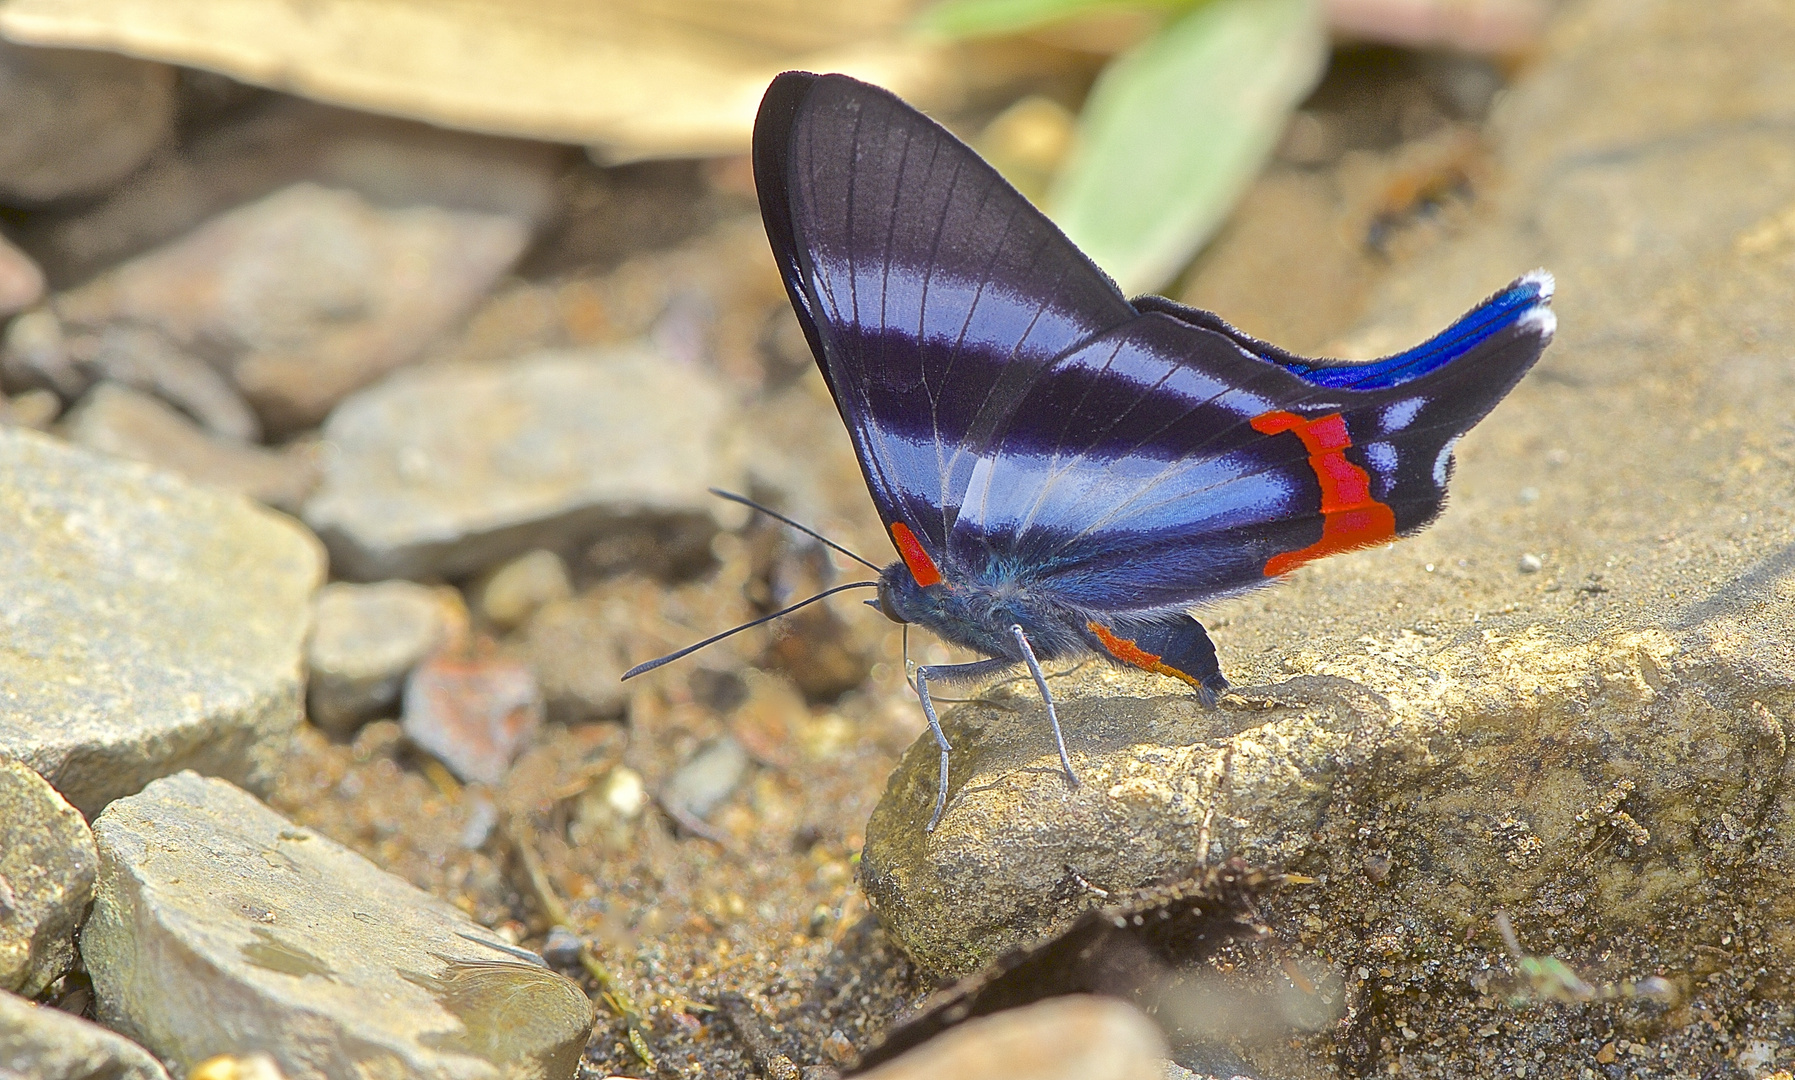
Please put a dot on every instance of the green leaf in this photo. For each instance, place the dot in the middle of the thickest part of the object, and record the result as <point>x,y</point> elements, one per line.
<point>985,18</point>
<point>1176,128</point>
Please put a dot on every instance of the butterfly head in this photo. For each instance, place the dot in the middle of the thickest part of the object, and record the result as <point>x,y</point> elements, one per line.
<point>895,583</point>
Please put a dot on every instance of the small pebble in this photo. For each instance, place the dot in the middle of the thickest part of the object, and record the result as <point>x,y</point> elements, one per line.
<point>35,353</point>
<point>21,282</point>
<point>562,949</point>
<point>511,594</point>
<point>1531,563</point>
<point>705,780</point>
<point>624,792</point>
<point>365,640</point>
<point>482,816</point>
<point>838,1048</point>
<point>1529,496</point>
<point>1063,1038</point>
<point>35,409</point>
<point>474,716</point>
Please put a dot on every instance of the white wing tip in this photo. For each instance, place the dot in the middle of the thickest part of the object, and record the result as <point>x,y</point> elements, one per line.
<point>1541,320</point>
<point>1541,280</point>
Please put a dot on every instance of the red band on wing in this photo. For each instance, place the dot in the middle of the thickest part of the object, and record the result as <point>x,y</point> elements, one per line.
<point>1350,517</point>
<point>922,568</point>
<point>1130,653</point>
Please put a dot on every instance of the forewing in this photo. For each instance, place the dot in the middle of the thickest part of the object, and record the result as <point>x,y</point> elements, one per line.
<point>1164,463</point>
<point>931,292</point>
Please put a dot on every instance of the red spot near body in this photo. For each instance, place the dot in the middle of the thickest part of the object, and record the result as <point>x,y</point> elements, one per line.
<point>1350,517</point>
<point>1130,653</point>
<point>922,568</point>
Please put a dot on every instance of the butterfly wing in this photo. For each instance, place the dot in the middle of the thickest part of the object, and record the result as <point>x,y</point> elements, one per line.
<point>930,291</point>
<point>1019,416</point>
<point>1172,460</point>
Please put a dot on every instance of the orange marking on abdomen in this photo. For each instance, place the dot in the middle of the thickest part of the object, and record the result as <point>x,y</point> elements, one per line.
<point>1350,517</point>
<point>922,568</point>
<point>1130,653</point>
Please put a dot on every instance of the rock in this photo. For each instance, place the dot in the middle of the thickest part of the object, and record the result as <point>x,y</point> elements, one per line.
<point>562,949</point>
<point>1598,748</point>
<point>34,355</point>
<point>218,927</point>
<point>1066,1038</point>
<point>115,419</point>
<point>35,409</point>
<point>21,282</point>
<point>47,866</point>
<point>452,468</point>
<point>144,357</point>
<point>150,625</point>
<point>605,812</point>
<point>510,594</point>
<point>77,121</point>
<point>42,1043</point>
<point>306,294</point>
<point>475,715</point>
<point>365,640</point>
<point>39,352</point>
<point>705,780</point>
<point>269,141</point>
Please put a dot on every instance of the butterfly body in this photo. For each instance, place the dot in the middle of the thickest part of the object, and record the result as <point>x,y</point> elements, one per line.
<point>1065,472</point>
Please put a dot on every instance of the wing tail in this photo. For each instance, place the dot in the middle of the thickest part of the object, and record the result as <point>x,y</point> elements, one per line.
<point>1429,396</point>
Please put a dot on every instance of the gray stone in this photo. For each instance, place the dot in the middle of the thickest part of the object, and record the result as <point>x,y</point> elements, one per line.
<point>38,1042</point>
<point>1597,748</point>
<point>149,625</point>
<point>365,640</point>
<point>21,282</point>
<point>702,783</point>
<point>274,141</point>
<point>450,469</point>
<point>118,420</point>
<point>39,352</point>
<point>144,357</point>
<point>35,355</point>
<point>220,927</point>
<point>511,593</point>
<point>46,879</point>
<point>306,294</point>
<point>1063,1038</point>
<point>77,121</point>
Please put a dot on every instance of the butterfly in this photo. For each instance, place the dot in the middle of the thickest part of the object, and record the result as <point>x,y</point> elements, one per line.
<point>1065,472</point>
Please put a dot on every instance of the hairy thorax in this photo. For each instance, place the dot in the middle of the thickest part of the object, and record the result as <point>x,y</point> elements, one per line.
<point>977,609</point>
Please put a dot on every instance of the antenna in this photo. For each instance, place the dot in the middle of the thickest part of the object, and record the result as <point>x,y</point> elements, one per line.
<point>689,649</point>
<point>805,529</point>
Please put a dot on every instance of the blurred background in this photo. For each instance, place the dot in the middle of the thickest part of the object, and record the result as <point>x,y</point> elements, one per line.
<point>478,291</point>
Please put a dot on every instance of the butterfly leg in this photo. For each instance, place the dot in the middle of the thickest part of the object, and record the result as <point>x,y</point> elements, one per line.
<point>947,673</point>
<point>1034,668</point>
